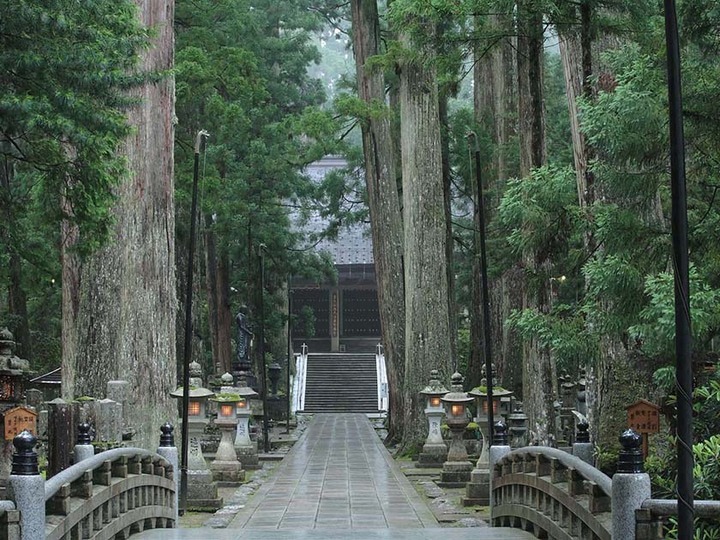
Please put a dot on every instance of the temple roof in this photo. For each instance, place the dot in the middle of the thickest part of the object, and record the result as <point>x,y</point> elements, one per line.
<point>354,243</point>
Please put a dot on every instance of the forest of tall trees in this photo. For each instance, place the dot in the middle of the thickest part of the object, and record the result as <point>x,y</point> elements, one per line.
<point>100,105</point>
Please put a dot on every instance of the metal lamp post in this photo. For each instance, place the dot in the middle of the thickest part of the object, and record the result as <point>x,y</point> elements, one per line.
<point>683,336</point>
<point>188,325</point>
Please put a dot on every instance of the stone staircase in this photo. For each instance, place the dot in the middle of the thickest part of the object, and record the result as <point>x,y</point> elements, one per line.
<point>341,382</point>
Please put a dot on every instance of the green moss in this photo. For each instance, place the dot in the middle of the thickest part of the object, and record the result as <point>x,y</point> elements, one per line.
<point>483,389</point>
<point>227,396</point>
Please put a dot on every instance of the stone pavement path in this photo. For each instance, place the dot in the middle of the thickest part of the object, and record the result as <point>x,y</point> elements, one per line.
<point>337,482</point>
<point>337,476</point>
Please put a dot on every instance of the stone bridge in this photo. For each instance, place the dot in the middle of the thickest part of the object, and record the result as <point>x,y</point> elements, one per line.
<point>538,491</point>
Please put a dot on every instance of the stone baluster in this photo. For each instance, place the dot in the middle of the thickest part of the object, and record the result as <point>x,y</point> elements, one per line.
<point>168,450</point>
<point>27,487</point>
<point>630,486</point>
<point>582,447</point>
<point>499,449</point>
<point>84,448</point>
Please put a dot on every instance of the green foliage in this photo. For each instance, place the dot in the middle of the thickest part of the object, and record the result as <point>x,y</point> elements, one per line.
<point>656,331</point>
<point>563,331</point>
<point>66,68</point>
<point>242,75</point>
<point>706,483</point>
<point>539,211</point>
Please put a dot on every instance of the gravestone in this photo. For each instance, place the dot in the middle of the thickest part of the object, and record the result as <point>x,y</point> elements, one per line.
<point>119,391</point>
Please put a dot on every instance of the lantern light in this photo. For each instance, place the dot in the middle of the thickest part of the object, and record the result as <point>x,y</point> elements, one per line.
<point>226,410</point>
<point>194,408</point>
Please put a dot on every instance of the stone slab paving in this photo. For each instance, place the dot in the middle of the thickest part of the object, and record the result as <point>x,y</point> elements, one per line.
<point>337,482</point>
<point>338,476</point>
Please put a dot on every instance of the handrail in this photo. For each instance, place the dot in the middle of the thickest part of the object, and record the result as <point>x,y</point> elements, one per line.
<point>568,460</point>
<point>669,507</point>
<point>382,381</point>
<point>73,473</point>
<point>552,491</point>
<point>303,381</point>
<point>298,398</point>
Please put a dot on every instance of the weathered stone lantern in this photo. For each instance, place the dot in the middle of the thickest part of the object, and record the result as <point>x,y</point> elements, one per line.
<point>245,448</point>
<point>11,370</point>
<point>197,401</point>
<point>517,426</point>
<point>457,468</point>
<point>434,451</point>
<point>202,492</point>
<point>225,467</point>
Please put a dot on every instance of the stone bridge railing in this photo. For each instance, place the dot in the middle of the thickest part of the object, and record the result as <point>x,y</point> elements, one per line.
<point>548,491</point>
<point>110,495</point>
<point>556,495</point>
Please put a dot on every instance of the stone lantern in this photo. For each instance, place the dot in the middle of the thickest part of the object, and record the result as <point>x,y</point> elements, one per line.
<point>225,467</point>
<point>456,470</point>
<point>202,492</point>
<point>11,370</point>
<point>517,422</point>
<point>245,448</point>
<point>434,451</point>
<point>197,401</point>
<point>477,492</point>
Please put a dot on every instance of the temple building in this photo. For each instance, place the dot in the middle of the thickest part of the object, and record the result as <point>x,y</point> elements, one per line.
<point>344,315</point>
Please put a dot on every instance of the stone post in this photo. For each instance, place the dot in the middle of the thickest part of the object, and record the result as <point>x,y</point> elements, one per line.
<point>168,450</point>
<point>582,447</point>
<point>27,487</point>
<point>630,486</point>
<point>119,391</point>
<point>84,448</point>
<point>499,449</point>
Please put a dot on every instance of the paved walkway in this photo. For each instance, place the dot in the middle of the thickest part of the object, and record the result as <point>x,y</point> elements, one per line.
<point>337,482</point>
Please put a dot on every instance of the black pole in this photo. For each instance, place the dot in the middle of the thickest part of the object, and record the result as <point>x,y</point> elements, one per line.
<point>187,353</point>
<point>261,262</point>
<point>289,353</point>
<point>683,336</point>
<point>480,209</point>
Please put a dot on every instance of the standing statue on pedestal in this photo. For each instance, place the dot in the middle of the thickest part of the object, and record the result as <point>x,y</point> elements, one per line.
<point>242,364</point>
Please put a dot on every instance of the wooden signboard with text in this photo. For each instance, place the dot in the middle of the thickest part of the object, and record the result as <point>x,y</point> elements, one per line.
<point>17,419</point>
<point>644,417</point>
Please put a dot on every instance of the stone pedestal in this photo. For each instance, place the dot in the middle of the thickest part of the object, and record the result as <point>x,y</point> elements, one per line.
<point>245,448</point>
<point>226,468</point>
<point>455,474</point>
<point>456,470</point>
<point>434,452</point>
<point>477,492</point>
<point>432,455</point>
<point>202,492</point>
